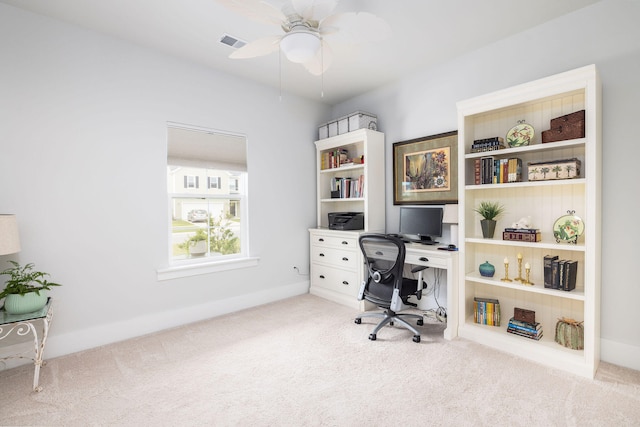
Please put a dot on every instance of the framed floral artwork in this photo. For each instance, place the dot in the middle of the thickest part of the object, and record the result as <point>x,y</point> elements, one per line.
<point>425,170</point>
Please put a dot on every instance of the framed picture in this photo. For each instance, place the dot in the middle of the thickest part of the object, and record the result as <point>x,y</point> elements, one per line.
<point>425,170</point>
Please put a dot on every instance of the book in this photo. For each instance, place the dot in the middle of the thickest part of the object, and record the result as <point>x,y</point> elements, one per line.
<point>525,334</point>
<point>522,237</point>
<point>535,326</point>
<point>486,311</point>
<point>569,275</point>
<point>522,230</point>
<point>548,273</point>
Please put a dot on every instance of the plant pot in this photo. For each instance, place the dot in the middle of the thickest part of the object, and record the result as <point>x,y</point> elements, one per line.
<point>27,303</point>
<point>198,248</point>
<point>487,269</point>
<point>488,228</point>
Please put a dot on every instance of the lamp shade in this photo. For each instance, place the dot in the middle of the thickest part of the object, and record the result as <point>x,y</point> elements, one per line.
<point>300,46</point>
<point>9,240</point>
<point>450,214</point>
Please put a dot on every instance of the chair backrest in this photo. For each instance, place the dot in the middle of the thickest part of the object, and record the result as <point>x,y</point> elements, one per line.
<point>384,258</point>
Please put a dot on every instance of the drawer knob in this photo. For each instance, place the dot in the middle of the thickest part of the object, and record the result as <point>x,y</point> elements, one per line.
<point>425,259</point>
<point>322,276</point>
<point>321,240</point>
<point>320,254</point>
<point>344,282</point>
<point>345,258</point>
<point>344,242</point>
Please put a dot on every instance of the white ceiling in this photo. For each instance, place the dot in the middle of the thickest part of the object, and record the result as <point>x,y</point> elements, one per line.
<point>425,32</point>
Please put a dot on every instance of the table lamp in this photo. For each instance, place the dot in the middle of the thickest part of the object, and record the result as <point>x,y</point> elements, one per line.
<point>450,216</point>
<point>9,239</point>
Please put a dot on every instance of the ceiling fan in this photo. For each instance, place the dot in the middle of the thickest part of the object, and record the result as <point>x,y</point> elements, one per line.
<point>309,28</point>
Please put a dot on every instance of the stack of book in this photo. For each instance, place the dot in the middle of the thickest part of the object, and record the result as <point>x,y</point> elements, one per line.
<point>333,159</point>
<point>522,234</point>
<point>560,273</point>
<point>531,330</point>
<point>486,311</point>
<point>487,144</point>
<point>347,188</point>
<point>489,170</point>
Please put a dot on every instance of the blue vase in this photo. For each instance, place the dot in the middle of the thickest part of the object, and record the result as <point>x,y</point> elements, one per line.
<point>487,269</point>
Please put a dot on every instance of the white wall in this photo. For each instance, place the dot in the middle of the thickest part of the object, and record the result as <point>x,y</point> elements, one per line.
<point>606,34</point>
<point>83,165</point>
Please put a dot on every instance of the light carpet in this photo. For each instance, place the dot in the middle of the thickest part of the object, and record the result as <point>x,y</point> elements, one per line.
<point>304,362</point>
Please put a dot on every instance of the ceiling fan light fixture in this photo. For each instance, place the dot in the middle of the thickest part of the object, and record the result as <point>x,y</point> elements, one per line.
<point>300,45</point>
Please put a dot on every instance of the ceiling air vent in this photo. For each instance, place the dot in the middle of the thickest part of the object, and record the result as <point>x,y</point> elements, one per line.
<point>232,41</point>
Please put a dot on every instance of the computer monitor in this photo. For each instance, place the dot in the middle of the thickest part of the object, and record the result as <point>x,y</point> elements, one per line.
<point>421,224</point>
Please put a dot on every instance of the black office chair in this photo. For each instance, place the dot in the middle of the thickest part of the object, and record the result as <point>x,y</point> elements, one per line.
<point>385,285</point>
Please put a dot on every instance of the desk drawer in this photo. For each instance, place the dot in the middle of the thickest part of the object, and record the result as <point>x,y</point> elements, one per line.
<point>334,241</point>
<point>425,259</point>
<point>335,279</point>
<point>336,257</point>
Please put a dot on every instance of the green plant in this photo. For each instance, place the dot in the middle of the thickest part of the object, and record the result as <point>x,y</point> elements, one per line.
<point>223,240</point>
<point>490,210</point>
<point>22,280</point>
<point>199,235</point>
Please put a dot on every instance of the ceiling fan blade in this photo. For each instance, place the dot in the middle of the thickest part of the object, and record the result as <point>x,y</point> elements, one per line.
<point>256,10</point>
<point>321,61</point>
<point>355,27</point>
<point>313,10</point>
<point>260,47</point>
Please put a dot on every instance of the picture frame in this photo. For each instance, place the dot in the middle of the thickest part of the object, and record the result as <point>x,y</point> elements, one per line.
<point>425,170</point>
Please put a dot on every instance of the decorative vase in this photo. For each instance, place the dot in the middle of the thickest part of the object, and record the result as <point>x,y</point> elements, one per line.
<point>487,269</point>
<point>27,303</point>
<point>488,228</point>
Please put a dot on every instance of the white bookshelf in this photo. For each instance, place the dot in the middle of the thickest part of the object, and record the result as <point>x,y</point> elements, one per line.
<point>336,260</point>
<point>492,115</point>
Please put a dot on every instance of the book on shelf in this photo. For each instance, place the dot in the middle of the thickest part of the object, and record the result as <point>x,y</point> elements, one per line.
<point>486,311</point>
<point>334,158</point>
<point>522,237</point>
<point>347,188</point>
<point>548,270</point>
<point>522,230</point>
<point>525,329</point>
<point>564,272</point>
<point>489,170</point>
<point>487,144</point>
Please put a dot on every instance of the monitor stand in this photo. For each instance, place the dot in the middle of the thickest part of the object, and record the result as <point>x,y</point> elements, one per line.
<point>426,240</point>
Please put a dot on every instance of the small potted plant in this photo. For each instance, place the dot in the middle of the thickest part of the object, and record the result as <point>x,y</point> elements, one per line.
<point>490,211</point>
<point>197,244</point>
<point>26,290</point>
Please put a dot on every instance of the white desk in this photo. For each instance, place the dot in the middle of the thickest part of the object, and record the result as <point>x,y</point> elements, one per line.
<point>432,257</point>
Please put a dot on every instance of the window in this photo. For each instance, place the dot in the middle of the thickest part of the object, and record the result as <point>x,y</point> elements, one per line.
<point>213,182</point>
<point>190,181</point>
<point>208,223</point>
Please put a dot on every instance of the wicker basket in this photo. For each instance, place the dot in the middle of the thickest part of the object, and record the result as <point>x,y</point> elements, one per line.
<point>570,333</point>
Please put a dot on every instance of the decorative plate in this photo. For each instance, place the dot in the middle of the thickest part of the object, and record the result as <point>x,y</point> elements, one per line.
<point>520,135</point>
<point>568,228</point>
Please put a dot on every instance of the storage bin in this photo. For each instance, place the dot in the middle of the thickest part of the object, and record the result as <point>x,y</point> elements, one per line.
<point>361,120</point>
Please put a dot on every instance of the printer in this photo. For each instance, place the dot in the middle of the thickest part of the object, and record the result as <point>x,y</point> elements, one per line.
<point>346,220</point>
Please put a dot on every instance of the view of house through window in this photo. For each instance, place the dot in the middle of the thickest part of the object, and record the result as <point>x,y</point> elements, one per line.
<point>206,178</point>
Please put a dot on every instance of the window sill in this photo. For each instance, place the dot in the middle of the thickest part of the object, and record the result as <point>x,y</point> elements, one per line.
<point>177,272</point>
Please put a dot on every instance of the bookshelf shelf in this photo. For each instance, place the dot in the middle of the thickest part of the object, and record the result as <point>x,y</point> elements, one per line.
<point>493,115</point>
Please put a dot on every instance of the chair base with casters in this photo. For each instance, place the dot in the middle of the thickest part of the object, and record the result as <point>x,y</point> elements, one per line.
<point>390,317</point>
<point>385,285</point>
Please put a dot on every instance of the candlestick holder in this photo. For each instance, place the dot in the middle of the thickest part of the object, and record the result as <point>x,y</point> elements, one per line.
<point>526,280</point>
<point>519,278</point>
<point>506,273</point>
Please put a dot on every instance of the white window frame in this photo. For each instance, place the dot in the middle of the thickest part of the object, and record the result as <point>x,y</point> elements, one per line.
<point>195,266</point>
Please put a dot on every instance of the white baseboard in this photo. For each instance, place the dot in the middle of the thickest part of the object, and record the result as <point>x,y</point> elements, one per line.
<point>620,354</point>
<point>73,342</point>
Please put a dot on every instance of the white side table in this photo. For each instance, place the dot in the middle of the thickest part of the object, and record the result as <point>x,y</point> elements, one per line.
<point>23,325</point>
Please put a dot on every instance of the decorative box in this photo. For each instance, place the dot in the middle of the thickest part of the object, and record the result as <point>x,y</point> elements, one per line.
<point>361,120</point>
<point>524,315</point>
<point>354,121</point>
<point>570,126</point>
<point>570,333</point>
<point>558,169</point>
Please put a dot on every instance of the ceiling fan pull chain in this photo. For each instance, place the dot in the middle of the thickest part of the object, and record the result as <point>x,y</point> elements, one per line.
<point>322,68</point>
